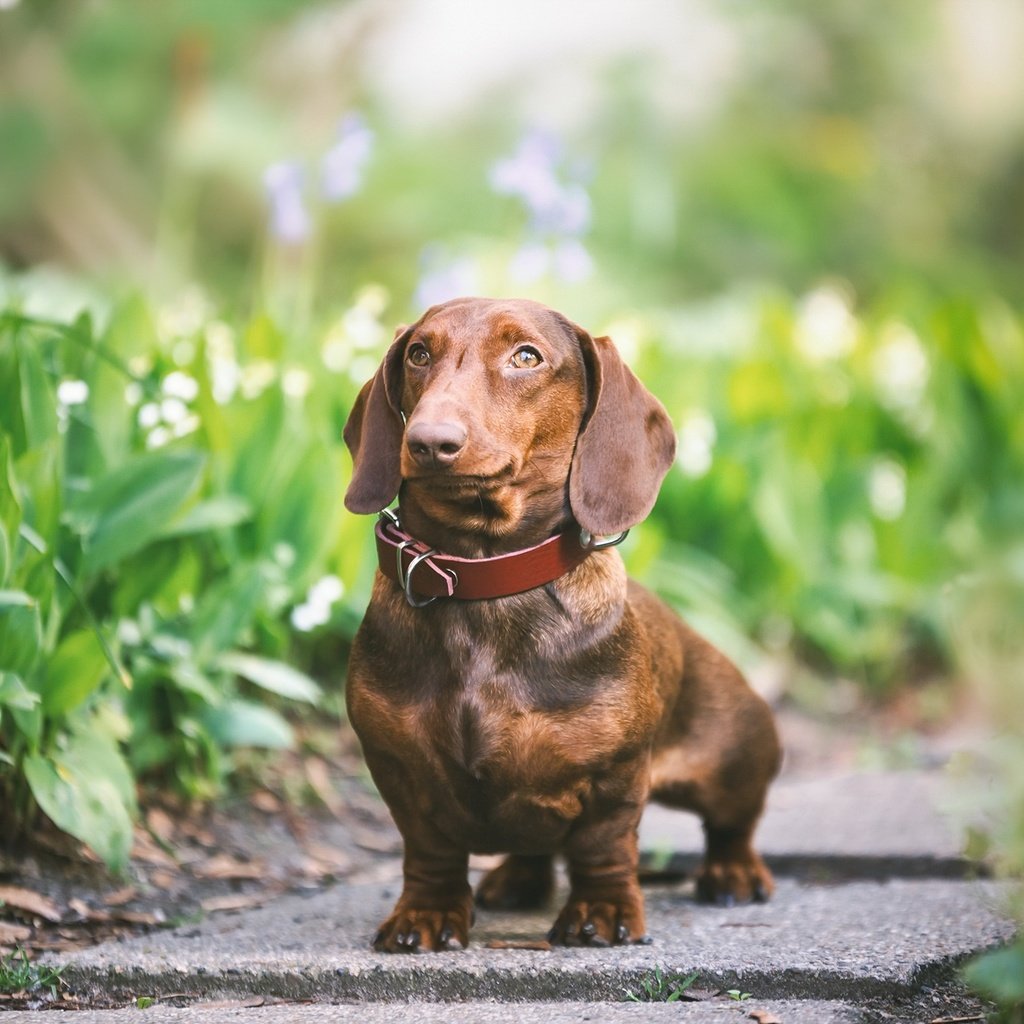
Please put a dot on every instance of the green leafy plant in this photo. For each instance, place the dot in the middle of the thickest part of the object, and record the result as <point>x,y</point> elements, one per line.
<point>19,974</point>
<point>661,987</point>
<point>111,666</point>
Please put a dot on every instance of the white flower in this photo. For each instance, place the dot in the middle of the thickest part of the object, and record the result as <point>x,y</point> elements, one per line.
<point>72,392</point>
<point>825,327</point>
<point>133,392</point>
<point>296,382</point>
<point>900,367</point>
<point>305,617</point>
<point>158,437</point>
<point>189,425</point>
<point>173,410</point>
<point>149,415</point>
<point>256,377</point>
<point>180,385</point>
<point>326,590</point>
<point>696,439</point>
<point>887,489</point>
<point>284,554</point>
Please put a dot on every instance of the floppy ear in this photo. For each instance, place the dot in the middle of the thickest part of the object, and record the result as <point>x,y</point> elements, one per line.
<point>625,446</point>
<point>374,434</point>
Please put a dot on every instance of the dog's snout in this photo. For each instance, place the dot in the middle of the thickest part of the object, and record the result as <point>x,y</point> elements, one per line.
<point>435,444</point>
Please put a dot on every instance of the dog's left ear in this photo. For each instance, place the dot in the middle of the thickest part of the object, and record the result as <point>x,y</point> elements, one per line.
<point>374,432</point>
<point>625,447</point>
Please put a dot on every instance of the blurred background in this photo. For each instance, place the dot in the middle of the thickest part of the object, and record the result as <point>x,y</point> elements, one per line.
<point>802,223</point>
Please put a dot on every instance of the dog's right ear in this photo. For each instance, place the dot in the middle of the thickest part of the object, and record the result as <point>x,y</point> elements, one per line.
<point>374,433</point>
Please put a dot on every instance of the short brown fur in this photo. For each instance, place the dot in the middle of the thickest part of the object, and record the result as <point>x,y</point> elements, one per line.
<point>536,724</point>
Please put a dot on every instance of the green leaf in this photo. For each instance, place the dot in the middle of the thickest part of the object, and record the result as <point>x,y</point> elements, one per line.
<point>999,974</point>
<point>21,632</point>
<point>226,609</point>
<point>75,670</point>
<point>10,508</point>
<point>274,676</point>
<point>87,790</point>
<point>213,514</point>
<point>14,693</point>
<point>239,723</point>
<point>132,505</point>
<point>38,404</point>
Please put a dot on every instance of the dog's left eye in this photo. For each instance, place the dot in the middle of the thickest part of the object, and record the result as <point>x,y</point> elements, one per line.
<point>525,358</point>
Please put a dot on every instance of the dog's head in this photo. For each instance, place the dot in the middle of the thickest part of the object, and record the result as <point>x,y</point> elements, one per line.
<point>484,396</point>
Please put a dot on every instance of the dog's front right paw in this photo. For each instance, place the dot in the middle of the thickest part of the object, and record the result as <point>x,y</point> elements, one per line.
<point>409,930</point>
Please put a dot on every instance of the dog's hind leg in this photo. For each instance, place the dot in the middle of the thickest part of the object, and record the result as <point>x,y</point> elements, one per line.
<point>519,882</point>
<point>716,757</point>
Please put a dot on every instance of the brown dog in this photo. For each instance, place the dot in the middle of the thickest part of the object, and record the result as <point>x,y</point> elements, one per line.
<point>539,722</point>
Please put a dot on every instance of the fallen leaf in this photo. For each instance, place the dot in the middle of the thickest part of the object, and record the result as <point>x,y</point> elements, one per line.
<point>13,933</point>
<point>223,865</point>
<point>319,778</point>
<point>232,1004</point>
<point>337,860</point>
<point>764,1017</point>
<point>369,839</point>
<point>265,801</point>
<point>161,824</point>
<point>541,945</point>
<point>30,902</point>
<point>83,910</point>
<point>119,897</point>
<point>203,836</point>
<point>139,916</point>
<point>237,901</point>
<point>146,849</point>
<point>164,879</point>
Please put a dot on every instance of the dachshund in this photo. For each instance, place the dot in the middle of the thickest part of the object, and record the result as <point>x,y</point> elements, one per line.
<point>512,690</point>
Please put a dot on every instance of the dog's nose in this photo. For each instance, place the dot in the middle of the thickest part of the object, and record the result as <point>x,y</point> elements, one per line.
<point>435,444</point>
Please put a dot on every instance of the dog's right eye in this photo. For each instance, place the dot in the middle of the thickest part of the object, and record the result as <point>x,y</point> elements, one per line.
<point>417,356</point>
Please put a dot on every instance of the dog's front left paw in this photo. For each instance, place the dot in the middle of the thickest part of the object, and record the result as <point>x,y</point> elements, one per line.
<point>599,923</point>
<point>409,930</point>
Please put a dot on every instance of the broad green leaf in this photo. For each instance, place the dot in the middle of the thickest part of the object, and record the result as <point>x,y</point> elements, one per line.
<point>226,610</point>
<point>5,557</point>
<point>274,676</point>
<point>10,505</point>
<point>212,514</point>
<point>132,505</point>
<point>81,789</point>
<point>239,723</point>
<point>21,632</point>
<point>38,473</point>
<point>130,333</point>
<point>38,404</point>
<point>304,508</point>
<point>75,670</point>
<point>14,693</point>
<point>999,974</point>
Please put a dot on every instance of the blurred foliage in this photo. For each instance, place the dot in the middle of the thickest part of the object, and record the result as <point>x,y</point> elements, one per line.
<point>985,609</point>
<point>214,215</point>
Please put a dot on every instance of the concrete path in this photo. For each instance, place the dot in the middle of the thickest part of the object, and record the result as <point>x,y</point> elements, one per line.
<point>873,902</point>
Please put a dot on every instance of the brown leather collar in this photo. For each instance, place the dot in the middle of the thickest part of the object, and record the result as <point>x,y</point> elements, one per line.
<point>425,574</point>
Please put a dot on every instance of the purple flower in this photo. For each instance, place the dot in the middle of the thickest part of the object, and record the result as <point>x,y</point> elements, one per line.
<point>289,220</point>
<point>531,174</point>
<point>343,163</point>
<point>444,279</point>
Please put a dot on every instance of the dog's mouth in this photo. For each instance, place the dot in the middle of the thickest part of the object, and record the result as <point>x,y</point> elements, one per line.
<point>452,481</point>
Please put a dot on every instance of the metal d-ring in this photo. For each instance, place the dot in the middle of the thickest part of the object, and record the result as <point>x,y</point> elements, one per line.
<point>407,583</point>
<point>592,543</point>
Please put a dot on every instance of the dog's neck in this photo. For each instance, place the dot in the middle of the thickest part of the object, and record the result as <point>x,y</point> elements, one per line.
<point>484,523</point>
